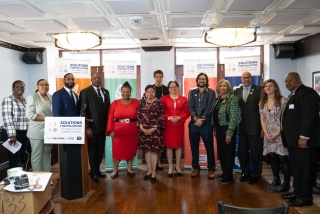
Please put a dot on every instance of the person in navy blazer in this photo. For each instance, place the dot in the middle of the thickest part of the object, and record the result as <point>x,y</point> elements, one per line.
<point>249,130</point>
<point>300,133</point>
<point>94,105</point>
<point>65,103</point>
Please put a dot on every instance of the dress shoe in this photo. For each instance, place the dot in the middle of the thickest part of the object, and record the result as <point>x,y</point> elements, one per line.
<point>131,174</point>
<point>195,172</point>
<point>252,180</point>
<point>114,175</point>
<point>169,175</point>
<point>147,177</point>
<point>101,174</point>
<point>243,177</point>
<point>159,167</point>
<point>225,181</point>
<point>153,179</point>
<point>288,196</point>
<point>276,181</point>
<point>95,178</point>
<point>299,203</point>
<point>179,173</point>
<point>211,174</point>
<point>220,177</point>
<point>281,188</point>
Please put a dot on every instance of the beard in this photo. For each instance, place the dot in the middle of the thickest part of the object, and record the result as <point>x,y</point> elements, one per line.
<point>69,85</point>
<point>202,85</point>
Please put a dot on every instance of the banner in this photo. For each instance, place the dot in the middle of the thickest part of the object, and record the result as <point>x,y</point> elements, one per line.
<point>116,73</point>
<point>81,69</point>
<point>191,69</point>
<point>64,130</point>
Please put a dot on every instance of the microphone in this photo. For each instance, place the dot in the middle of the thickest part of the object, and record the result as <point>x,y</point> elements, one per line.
<point>84,108</point>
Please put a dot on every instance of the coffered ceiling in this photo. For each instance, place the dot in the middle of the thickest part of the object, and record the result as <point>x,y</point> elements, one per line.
<point>179,23</point>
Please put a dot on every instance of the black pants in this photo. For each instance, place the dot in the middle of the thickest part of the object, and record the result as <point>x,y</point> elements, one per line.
<point>226,151</point>
<point>96,147</point>
<point>18,159</point>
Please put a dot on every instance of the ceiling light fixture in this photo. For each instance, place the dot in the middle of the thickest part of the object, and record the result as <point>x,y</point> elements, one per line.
<point>79,41</point>
<point>230,37</point>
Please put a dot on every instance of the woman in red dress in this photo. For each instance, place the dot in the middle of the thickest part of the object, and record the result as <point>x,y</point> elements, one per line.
<point>122,127</point>
<point>175,114</point>
<point>150,121</point>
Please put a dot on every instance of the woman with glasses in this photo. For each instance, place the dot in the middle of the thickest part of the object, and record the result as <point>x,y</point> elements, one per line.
<point>175,114</point>
<point>16,123</point>
<point>150,122</point>
<point>39,106</point>
<point>122,127</point>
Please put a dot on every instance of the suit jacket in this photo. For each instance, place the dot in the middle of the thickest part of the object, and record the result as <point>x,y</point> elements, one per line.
<point>249,119</point>
<point>63,104</point>
<point>37,106</point>
<point>91,107</point>
<point>301,117</point>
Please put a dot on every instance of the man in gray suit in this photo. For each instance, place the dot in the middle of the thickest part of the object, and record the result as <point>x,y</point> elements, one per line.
<point>249,129</point>
<point>95,102</point>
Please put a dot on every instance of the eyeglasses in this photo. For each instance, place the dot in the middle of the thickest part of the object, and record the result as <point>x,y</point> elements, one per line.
<point>42,85</point>
<point>202,79</point>
<point>289,80</point>
<point>149,92</point>
<point>173,87</point>
<point>246,77</point>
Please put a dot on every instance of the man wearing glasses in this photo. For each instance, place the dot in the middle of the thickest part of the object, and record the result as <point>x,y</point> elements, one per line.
<point>249,129</point>
<point>300,133</point>
<point>200,101</point>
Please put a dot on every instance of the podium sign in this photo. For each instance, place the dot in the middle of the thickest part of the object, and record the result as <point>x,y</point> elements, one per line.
<point>64,130</point>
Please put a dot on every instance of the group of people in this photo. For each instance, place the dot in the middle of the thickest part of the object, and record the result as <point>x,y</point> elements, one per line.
<point>265,122</point>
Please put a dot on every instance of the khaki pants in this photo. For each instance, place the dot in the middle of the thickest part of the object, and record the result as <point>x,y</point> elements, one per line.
<point>40,155</point>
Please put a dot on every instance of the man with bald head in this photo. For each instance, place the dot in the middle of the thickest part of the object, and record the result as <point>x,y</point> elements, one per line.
<point>249,129</point>
<point>299,129</point>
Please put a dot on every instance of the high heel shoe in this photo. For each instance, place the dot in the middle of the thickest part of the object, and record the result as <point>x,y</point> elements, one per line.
<point>131,174</point>
<point>179,173</point>
<point>114,176</point>
<point>147,177</point>
<point>170,175</point>
<point>159,167</point>
<point>153,179</point>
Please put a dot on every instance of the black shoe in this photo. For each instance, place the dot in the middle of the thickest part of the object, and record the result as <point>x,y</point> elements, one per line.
<point>153,179</point>
<point>101,174</point>
<point>170,175</point>
<point>95,178</point>
<point>147,177</point>
<point>316,190</point>
<point>225,181</point>
<point>159,167</point>
<point>252,180</point>
<point>243,178</point>
<point>288,196</point>
<point>220,177</point>
<point>179,173</point>
<point>276,181</point>
<point>281,188</point>
<point>299,203</point>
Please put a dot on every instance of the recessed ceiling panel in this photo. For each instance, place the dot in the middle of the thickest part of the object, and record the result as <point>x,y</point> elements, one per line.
<point>186,21</point>
<point>74,9</point>
<point>299,4</point>
<point>19,10</point>
<point>46,25</point>
<point>248,5</point>
<point>92,24</point>
<point>29,36</point>
<point>235,21</point>
<point>187,6</point>
<point>185,34</point>
<point>142,34</point>
<point>129,7</point>
<point>8,27</point>
<point>287,18</point>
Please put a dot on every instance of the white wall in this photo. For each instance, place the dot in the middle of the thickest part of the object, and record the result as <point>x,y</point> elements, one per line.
<point>305,67</point>
<point>156,60</point>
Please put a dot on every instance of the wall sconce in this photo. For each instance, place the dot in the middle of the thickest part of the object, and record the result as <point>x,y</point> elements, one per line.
<point>80,41</point>
<point>230,37</point>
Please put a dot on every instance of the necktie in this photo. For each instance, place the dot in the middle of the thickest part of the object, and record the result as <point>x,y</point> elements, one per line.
<point>72,97</point>
<point>245,95</point>
<point>99,94</point>
<point>284,108</point>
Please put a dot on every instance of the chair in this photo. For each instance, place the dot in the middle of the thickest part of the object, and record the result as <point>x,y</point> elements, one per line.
<point>222,208</point>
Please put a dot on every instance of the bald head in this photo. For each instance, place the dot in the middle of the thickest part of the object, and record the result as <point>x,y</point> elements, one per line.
<point>246,78</point>
<point>292,81</point>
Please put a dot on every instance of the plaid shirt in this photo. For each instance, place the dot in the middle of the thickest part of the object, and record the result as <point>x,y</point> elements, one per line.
<point>14,115</point>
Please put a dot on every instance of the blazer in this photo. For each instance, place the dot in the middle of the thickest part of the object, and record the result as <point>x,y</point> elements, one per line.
<point>37,106</point>
<point>249,120</point>
<point>63,104</point>
<point>301,117</point>
<point>92,107</point>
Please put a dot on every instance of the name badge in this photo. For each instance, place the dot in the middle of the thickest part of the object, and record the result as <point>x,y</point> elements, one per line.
<point>291,106</point>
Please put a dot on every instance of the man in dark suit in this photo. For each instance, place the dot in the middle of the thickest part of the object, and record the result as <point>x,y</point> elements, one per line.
<point>249,129</point>
<point>299,130</point>
<point>65,103</point>
<point>95,102</point>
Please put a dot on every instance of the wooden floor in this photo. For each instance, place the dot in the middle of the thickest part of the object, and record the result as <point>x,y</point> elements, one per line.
<point>171,195</point>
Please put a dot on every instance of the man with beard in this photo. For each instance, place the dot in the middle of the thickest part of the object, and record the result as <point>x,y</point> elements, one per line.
<point>249,129</point>
<point>65,103</point>
<point>300,133</point>
<point>95,102</point>
<point>200,101</point>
